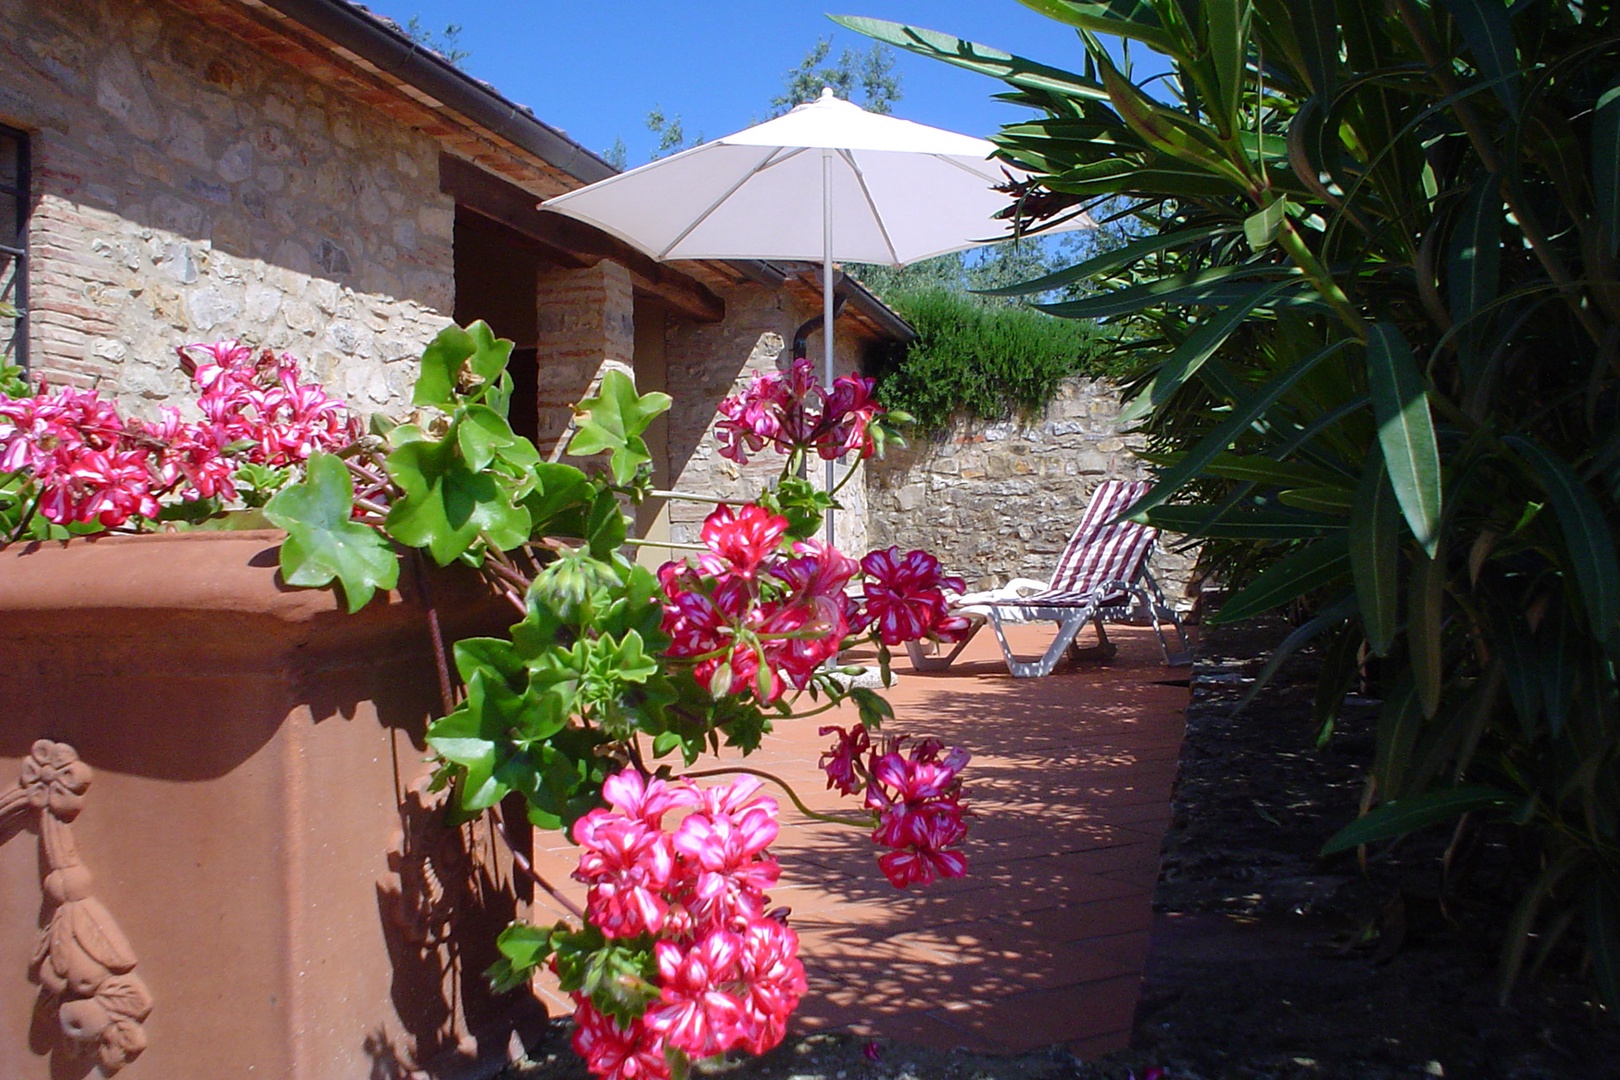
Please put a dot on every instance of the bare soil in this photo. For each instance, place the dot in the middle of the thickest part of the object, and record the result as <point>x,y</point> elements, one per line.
<point>1268,961</point>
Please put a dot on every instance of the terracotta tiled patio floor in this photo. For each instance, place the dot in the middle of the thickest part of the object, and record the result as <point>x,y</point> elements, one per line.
<point>1045,940</point>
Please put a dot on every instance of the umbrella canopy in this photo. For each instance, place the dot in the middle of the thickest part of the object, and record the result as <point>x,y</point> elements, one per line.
<point>898,191</point>
<point>826,181</point>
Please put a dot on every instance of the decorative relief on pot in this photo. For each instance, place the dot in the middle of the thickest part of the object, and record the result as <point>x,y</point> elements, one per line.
<point>83,963</point>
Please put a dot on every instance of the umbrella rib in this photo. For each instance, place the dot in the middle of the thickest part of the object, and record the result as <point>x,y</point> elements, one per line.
<point>765,163</point>
<point>883,230</point>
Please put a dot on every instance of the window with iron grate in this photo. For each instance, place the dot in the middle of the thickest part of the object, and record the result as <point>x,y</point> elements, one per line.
<point>14,202</point>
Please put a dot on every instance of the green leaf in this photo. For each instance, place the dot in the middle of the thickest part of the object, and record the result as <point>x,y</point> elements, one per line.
<point>1488,31</point>
<point>459,363</point>
<point>872,707</point>
<point>1603,940</point>
<point>1400,816</point>
<point>1323,499</point>
<point>1261,227</point>
<point>484,435</point>
<point>496,655</point>
<point>1585,533</point>
<point>1015,70</point>
<point>1424,621</point>
<point>1114,259</point>
<point>1136,19</point>
<point>1405,431</point>
<point>1228,22</point>
<point>559,491</point>
<point>1606,163</point>
<point>606,528</point>
<point>614,420</point>
<point>1473,265</point>
<point>523,948</point>
<point>1220,440</point>
<point>1289,578</point>
<point>324,542</point>
<point>1195,520</point>
<point>1194,287</point>
<point>1399,721</point>
<point>446,505</point>
<point>1315,26</point>
<point>1375,545</point>
<point>1209,335</point>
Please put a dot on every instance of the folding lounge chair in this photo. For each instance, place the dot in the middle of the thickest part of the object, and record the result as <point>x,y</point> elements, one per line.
<point>1102,575</point>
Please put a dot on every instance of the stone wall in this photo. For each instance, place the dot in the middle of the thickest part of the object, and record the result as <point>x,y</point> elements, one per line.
<point>997,501</point>
<point>708,363</point>
<point>189,188</point>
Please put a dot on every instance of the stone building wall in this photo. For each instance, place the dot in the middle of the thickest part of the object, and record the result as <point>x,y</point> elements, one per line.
<point>189,188</point>
<point>708,363</point>
<point>997,501</point>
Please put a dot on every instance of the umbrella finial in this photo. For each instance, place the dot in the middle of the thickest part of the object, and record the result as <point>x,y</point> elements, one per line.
<point>827,94</point>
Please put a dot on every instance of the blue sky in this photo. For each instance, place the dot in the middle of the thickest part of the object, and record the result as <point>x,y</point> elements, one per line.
<point>595,69</point>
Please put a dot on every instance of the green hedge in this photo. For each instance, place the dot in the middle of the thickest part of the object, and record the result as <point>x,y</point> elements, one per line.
<point>987,361</point>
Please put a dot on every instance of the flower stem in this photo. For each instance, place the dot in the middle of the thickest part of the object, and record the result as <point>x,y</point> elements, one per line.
<point>522,862</point>
<point>832,819</point>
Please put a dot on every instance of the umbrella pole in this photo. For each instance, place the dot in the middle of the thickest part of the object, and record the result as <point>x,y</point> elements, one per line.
<point>827,320</point>
<point>827,303</point>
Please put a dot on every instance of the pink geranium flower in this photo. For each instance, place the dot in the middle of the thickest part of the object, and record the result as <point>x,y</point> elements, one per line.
<point>905,597</point>
<point>740,539</point>
<point>616,1052</point>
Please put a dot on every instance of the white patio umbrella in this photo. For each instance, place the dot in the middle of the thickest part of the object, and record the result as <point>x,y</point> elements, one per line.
<point>827,181</point>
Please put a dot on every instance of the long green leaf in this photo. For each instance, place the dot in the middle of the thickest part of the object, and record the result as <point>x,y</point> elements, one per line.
<point>1195,287</point>
<point>1488,31</point>
<point>1289,578</point>
<point>1375,546</point>
<point>1201,344</point>
<point>1332,615</point>
<point>1228,22</point>
<point>1125,18</point>
<point>1603,940</point>
<point>1405,431</point>
<point>1474,265</point>
<point>1196,520</point>
<point>1585,533</point>
<point>1399,720</point>
<point>1109,261</point>
<point>1243,414</point>
<point>1316,25</point>
<point>1400,816</point>
<point>1015,70</point>
<point>1606,163</point>
<point>1423,630</point>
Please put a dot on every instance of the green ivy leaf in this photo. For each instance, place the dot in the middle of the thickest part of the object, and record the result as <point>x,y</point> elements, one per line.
<point>447,505</point>
<point>523,949</point>
<point>460,363</point>
<point>483,435</point>
<point>323,541</point>
<point>559,490</point>
<point>614,421</point>
<point>606,528</point>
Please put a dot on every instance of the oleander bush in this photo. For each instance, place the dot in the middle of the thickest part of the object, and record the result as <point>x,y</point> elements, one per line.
<point>1378,277</point>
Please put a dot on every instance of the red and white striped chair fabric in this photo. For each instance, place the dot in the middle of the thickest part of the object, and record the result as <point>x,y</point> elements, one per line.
<point>1102,574</point>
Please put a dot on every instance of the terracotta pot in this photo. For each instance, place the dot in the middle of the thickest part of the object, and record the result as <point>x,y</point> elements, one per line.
<point>253,883</point>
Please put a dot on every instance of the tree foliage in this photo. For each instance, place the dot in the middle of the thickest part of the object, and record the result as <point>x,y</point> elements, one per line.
<point>446,42</point>
<point>1377,289</point>
<point>870,73</point>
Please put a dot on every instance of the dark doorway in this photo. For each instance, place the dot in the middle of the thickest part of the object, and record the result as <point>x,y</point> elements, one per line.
<point>496,268</point>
